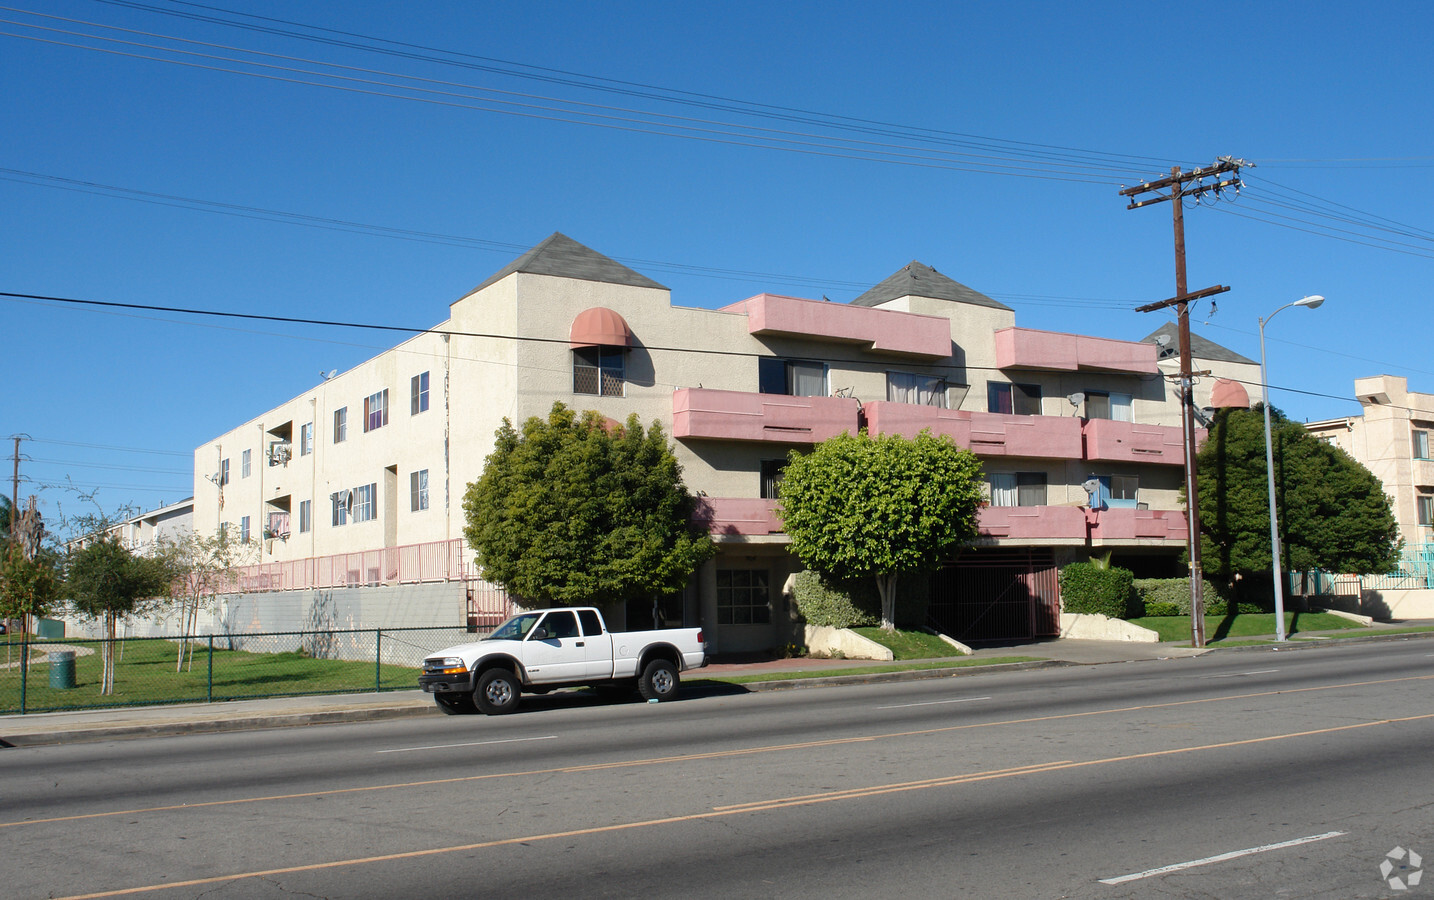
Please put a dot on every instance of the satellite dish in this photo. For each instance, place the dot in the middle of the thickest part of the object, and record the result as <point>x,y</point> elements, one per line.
<point>1077,398</point>
<point>1162,340</point>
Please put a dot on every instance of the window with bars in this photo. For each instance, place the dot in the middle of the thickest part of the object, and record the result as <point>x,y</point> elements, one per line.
<point>600,371</point>
<point>743,597</point>
<point>772,477</point>
<point>375,410</point>
<point>1013,399</point>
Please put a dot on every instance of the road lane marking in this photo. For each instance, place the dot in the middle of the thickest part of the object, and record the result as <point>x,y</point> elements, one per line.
<point>1223,857</point>
<point>546,737</point>
<point>720,812</point>
<point>934,702</point>
<point>1243,674</point>
<point>691,757</point>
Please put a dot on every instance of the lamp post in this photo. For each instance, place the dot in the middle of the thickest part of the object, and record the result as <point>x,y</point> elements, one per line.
<point>1311,302</point>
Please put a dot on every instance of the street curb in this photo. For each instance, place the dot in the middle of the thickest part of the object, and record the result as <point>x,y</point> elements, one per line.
<point>782,684</point>
<point>1307,644</point>
<point>215,726</point>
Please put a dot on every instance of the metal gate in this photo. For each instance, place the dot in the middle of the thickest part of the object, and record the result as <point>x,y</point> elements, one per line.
<point>996,596</point>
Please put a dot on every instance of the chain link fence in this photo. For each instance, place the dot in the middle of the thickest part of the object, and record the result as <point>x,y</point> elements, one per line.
<point>38,675</point>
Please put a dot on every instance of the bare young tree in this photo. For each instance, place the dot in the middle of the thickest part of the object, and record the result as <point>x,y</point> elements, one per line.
<point>203,566</point>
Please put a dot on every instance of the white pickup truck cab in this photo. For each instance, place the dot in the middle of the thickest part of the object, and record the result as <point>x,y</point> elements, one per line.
<point>535,652</point>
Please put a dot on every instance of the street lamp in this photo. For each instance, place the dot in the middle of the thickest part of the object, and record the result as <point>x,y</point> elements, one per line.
<point>1311,302</point>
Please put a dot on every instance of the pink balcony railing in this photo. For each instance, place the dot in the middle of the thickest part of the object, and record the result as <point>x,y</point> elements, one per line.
<point>409,564</point>
<point>745,416</point>
<point>882,330</point>
<point>1138,524</point>
<point>738,515</point>
<point>1027,348</point>
<point>987,434</point>
<point>1112,441</point>
<point>1032,522</point>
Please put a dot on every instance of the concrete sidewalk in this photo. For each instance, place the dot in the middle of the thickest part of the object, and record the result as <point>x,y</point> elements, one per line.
<point>238,715</point>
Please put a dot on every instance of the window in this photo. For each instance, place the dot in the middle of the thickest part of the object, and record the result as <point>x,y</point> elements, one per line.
<point>905,387</point>
<point>244,461</point>
<point>793,377</point>
<point>743,597</point>
<point>1421,445</point>
<point>306,438</point>
<point>341,424</point>
<point>244,530</point>
<point>375,411</point>
<point>1118,491</point>
<point>771,477</point>
<point>418,490</point>
<point>418,399</point>
<point>1425,504</point>
<point>1109,405</point>
<point>592,625</point>
<point>599,370</point>
<point>306,516</point>
<point>341,507</point>
<point>561,624</point>
<point>1013,399</point>
<point>223,472</point>
<point>1018,488</point>
<point>365,503</point>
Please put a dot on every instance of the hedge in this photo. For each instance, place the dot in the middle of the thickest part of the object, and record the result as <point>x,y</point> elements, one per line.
<point>852,604</point>
<point>1171,597</point>
<point>1086,588</point>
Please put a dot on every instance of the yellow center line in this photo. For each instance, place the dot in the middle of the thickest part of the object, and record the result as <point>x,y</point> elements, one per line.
<point>719,812</point>
<point>692,757</point>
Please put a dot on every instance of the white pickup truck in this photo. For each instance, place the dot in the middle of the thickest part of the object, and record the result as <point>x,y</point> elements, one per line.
<point>535,652</point>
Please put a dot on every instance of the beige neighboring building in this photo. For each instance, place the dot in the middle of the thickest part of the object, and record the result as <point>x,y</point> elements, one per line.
<point>1392,438</point>
<point>358,482</point>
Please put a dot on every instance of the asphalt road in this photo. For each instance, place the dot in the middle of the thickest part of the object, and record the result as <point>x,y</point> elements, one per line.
<point>1284,774</point>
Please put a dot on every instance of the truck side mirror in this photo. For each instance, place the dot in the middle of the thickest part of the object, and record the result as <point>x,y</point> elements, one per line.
<point>539,634</point>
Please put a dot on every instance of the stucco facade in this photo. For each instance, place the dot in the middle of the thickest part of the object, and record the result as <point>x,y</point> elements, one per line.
<point>1393,437</point>
<point>338,469</point>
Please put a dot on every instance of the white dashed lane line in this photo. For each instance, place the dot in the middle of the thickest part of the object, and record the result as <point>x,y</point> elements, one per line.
<point>548,737</point>
<point>1223,857</point>
<point>934,702</point>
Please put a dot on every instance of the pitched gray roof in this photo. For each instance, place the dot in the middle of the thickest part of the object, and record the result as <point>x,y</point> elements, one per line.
<point>564,257</point>
<point>1199,347</point>
<point>920,280</point>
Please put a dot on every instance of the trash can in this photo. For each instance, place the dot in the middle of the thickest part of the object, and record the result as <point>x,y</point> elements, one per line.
<point>62,669</point>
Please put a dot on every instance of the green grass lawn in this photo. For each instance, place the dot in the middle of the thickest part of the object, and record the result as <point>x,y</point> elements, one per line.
<point>1222,628</point>
<point>145,674</point>
<point>909,644</point>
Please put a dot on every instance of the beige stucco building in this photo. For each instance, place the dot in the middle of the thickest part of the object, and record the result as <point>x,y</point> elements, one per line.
<point>359,481</point>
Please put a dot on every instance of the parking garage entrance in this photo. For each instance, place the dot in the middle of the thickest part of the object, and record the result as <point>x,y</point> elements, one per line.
<point>997,595</point>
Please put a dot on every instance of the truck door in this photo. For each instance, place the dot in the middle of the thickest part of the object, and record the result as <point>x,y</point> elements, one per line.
<point>561,654</point>
<point>598,645</point>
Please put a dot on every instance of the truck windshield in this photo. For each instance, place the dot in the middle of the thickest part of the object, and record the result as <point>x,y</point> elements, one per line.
<point>514,629</point>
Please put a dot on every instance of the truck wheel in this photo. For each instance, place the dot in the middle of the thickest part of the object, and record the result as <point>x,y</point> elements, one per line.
<point>455,704</point>
<point>497,692</point>
<point>659,681</point>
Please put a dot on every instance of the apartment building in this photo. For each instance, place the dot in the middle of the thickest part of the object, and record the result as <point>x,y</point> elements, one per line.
<point>1392,438</point>
<point>359,481</point>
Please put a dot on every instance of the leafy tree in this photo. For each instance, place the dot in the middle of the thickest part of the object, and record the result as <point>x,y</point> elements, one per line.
<point>200,567</point>
<point>573,511</point>
<point>1334,514</point>
<point>883,507</point>
<point>106,581</point>
<point>28,587</point>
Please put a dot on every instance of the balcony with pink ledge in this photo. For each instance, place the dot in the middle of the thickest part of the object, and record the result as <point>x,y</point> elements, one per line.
<point>1110,441</point>
<point>1027,348</point>
<point>747,416</point>
<point>985,434</point>
<point>738,516</point>
<point>884,331</point>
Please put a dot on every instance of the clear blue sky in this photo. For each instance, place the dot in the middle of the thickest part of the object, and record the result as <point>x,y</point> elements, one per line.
<point>143,161</point>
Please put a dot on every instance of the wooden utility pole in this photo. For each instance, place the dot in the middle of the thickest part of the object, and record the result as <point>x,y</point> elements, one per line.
<point>1182,185</point>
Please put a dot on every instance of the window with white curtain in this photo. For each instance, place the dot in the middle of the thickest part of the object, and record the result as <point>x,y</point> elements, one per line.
<point>908,387</point>
<point>793,377</point>
<point>1003,489</point>
<point>1109,405</point>
<point>1018,488</point>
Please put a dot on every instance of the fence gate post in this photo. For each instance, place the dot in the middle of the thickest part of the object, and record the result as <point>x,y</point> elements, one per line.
<point>378,660</point>
<point>209,689</point>
<point>24,664</point>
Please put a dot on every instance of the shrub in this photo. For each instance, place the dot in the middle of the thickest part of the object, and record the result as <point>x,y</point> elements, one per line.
<point>821,602</point>
<point>1171,597</point>
<point>1098,591</point>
